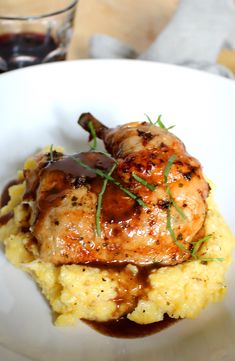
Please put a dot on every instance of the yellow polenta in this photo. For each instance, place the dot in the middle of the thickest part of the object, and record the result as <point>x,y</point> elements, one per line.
<point>76,291</point>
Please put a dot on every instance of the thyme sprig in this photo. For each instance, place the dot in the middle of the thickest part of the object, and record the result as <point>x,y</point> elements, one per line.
<point>93,134</point>
<point>143,181</point>
<point>99,201</point>
<point>159,122</point>
<point>111,179</point>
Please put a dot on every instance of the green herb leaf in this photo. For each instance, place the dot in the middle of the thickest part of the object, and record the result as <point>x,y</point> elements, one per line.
<point>210,259</point>
<point>178,209</point>
<point>160,123</point>
<point>166,174</point>
<point>197,244</point>
<point>171,231</point>
<point>99,201</point>
<point>93,134</point>
<point>149,119</point>
<point>111,179</point>
<point>51,153</point>
<point>143,181</point>
<point>168,168</point>
<point>196,247</point>
<point>171,127</point>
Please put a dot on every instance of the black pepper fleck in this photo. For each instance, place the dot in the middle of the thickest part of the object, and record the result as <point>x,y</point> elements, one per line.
<point>145,135</point>
<point>163,204</point>
<point>188,175</point>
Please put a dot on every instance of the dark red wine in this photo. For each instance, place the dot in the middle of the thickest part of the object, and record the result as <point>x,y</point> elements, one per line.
<point>18,50</point>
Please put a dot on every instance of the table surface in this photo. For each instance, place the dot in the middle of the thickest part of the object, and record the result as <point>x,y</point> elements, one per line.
<point>136,22</point>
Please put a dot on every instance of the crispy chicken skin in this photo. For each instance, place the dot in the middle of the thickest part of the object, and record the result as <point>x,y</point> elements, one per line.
<point>66,200</point>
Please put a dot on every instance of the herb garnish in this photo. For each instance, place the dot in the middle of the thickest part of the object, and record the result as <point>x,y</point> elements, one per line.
<point>111,179</point>
<point>210,259</point>
<point>166,174</point>
<point>149,119</point>
<point>196,246</point>
<point>171,230</point>
<point>99,201</point>
<point>159,122</point>
<point>93,134</point>
<point>172,202</point>
<point>51,153</point>
<point>143,181</point>
<point>94,139</point>
<point>172,126</point>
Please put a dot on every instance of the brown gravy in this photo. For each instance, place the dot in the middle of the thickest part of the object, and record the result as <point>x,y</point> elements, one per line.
<point>6,217</point>
<point>4,200</point>
<point>5,193</point>
<point>65,172</point>
<point>68,165</point>
<point>124,328</point>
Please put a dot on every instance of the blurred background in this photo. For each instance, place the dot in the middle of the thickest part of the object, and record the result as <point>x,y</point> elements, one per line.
<point>135,22</point>
<point>199,31</point>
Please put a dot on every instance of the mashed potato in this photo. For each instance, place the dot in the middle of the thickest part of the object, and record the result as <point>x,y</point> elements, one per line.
<point>76,291</point>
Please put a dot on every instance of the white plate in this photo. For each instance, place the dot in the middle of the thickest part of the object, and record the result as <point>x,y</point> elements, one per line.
<point>39,106</point>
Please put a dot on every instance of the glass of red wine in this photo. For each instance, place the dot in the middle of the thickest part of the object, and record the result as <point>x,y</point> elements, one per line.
<point>34,32</point>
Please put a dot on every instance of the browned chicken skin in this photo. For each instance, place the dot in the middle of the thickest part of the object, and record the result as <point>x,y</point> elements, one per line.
<point>66,198</point>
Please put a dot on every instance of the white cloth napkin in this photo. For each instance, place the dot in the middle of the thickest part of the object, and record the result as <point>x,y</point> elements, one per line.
<point>194,37</point>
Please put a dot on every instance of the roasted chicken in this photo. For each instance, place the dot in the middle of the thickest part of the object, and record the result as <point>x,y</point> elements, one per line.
<point>155,224</point>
